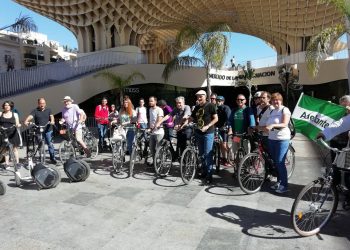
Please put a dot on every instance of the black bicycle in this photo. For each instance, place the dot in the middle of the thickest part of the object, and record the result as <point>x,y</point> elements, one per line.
<point>140,148</point>
<point>318,201</point>
<point>217,147</point>
<point>165,155</point>
<point>36,141</point>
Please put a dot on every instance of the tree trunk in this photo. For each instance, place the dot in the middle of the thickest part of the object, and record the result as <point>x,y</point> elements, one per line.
<point>121,97</point>
<point>208,82</point>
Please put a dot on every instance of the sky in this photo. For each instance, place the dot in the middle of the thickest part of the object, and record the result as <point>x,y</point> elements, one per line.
<point>242,47</point>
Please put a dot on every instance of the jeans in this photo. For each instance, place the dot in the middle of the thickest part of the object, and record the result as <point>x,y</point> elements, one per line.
<point>278,152</point>
<point>48,137</point>
<point>130,134</point>
<point>205,147</point>
<point>102,130</point>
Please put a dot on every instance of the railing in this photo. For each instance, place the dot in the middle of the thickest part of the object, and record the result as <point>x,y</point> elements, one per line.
<point>21,81</point>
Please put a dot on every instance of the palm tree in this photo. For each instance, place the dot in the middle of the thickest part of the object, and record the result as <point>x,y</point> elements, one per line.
<point>320,44</point>
<point>245,79</point>
<point>119,82</point>
<point>210,44</point>
<point>22,24</point>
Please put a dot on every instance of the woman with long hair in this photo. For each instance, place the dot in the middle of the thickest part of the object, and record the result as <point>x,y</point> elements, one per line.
<point>10,120</point>
<point>127,116</point>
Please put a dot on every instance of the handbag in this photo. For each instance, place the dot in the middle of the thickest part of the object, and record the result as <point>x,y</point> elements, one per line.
<point>119,133</point>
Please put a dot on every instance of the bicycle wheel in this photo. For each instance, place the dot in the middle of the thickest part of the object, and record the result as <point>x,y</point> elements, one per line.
<point>2,188</point>
<point>251,173</point>
<point>163,160</point>
<point>188,165</point>
<point>133,157</point>
<point>117,156</point>
<point>66,151</point>
<point>290,161</point>
<point>314,206</point>
<point>217,156</point>
<point>92,145</point>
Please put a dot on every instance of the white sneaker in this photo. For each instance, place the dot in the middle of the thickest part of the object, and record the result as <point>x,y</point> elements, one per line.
<point>275,186</point>
<point>281,189</point>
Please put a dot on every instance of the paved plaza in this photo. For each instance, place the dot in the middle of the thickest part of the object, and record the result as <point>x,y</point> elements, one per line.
<point>110,211</point>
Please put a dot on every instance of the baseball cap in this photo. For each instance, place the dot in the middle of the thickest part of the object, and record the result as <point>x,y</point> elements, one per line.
<point>220,98</point>
<point>67,98</point>
<point>257,94</point>
<point>201,92</point>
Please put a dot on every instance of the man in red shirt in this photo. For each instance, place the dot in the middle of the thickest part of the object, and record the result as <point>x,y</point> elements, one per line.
<point>101,116</point>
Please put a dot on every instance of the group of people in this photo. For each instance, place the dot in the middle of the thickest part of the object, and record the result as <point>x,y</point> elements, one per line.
<point>269,116</point>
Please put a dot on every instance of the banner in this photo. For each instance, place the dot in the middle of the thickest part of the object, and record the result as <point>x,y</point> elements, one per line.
<point>312,115</point>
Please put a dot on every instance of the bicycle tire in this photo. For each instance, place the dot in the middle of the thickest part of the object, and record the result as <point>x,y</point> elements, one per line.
<point>188,165</point>
<point>217,157</point>
<point>132,160</point>
<point>92,145</point>
<point>290,161</point>
<point>251,173</point>
<point>2,188</point>
<point>117,157</point>
<point>163,160</point>
<point>66,151</point>
<point>320,192</point>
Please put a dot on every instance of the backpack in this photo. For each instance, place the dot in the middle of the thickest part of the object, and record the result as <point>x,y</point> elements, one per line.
<point>76,170</point>
<point>45,177</point>
<point>291,125</point>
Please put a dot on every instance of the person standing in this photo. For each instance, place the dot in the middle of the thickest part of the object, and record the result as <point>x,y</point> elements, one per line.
<point>73,116</point>
<point>168,124</point>
<point>127,116</point>
<point>262,117</point>
<point>157,133</point>
<point>141,113</point>
<point>241,119</point>
<point>42,116</point>
<point>213,97</point>
<point>205,116</point>
<point>279,136</point>
<point>10,120</point>
<point>179,113</point>
<point>101,116</point>
<point>224,113</point>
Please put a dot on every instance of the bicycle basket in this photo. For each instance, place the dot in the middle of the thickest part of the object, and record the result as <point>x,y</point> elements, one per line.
<point>343,160</point>
<point>119,134</point>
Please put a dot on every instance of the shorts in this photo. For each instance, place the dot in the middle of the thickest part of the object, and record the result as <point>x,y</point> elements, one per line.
<point>79,134</point>
<point>223,135</point>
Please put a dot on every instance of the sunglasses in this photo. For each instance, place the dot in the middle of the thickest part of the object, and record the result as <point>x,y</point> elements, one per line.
<point>241,100</point>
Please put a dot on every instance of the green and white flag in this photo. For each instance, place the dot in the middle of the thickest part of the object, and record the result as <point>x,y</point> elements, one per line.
<point>312,115</point>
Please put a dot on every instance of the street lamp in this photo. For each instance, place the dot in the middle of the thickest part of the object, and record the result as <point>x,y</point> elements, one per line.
<point>289,76</point>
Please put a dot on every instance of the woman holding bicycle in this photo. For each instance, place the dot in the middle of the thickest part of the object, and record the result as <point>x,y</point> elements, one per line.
<point>279,136</point>
<point>10,121</point>
<point>127,115</point>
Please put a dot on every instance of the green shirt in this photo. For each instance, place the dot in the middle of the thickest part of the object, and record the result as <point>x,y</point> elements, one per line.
<point>239,120</point>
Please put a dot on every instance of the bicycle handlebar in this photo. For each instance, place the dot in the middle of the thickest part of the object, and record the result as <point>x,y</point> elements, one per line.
<point>335,150</point>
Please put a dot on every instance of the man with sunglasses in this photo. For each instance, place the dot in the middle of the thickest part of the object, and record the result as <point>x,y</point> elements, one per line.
<point>224,113</point>
<point>205,115</point>
<point>241,119</point>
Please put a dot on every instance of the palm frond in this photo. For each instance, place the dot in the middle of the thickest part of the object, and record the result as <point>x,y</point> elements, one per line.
<point>23,24</point>
<point>319,46</point>
<point>188,35</point>
<point>219,27</point>
<point>115,80</point>
<point>178,63</point>
<point>133,76</point>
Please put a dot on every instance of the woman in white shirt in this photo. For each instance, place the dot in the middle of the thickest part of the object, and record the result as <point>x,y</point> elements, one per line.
<point>279,136</point>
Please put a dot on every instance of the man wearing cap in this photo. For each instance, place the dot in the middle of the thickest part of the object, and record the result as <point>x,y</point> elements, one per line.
<point>101,116</point>
<point>42,116</point>
<point>205,116</point>
<point>224,113</point>
<point>73,116</point>
<point>256,104</point>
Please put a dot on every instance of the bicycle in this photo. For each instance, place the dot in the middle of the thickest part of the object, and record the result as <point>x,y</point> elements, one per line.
<point>118,146</point>
<point>317,202</point>
<point>91,142</point>
<point>70,146</point>
<point>234,158</point>
<point>36,141</point>
<point>140,148</point>
<point>216,147</point>
<point>164,156</point>
<point>256,167</point>
<point>190,162</point>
